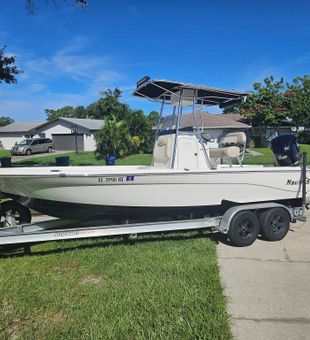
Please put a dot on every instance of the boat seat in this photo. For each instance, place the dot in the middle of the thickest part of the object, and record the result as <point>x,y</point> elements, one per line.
<point>162,153</point>
<point>232,138</point>
<point>232,151</point>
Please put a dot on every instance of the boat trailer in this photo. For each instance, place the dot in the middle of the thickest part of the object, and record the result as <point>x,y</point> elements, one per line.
<point>59,229</point>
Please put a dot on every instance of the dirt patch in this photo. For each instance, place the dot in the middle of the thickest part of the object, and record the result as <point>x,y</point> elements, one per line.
<point>91,279</point>
<point>6,307</point>
<point>65,268</point>
<point>18,326</point>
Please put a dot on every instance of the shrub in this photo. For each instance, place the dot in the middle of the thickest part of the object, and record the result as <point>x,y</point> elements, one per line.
<point>113,139</point>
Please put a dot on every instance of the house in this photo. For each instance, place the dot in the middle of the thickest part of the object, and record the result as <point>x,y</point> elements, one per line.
<point>66,133</point>
<point>69,133</point>
<point>17,131</point>
<point>215,124</point>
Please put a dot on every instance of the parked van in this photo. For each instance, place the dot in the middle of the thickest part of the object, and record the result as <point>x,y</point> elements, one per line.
<point>33,145</point>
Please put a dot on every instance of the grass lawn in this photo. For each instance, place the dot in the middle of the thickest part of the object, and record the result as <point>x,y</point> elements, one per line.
<point>158,286</point>
<point>266,157</point>
<point>84,158</point>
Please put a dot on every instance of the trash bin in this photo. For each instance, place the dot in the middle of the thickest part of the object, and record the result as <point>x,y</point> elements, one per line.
<point>6,162</point>
<point>110,160</point>
<point>62,161</point>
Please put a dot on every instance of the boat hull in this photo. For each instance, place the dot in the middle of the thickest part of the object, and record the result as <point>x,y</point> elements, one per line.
<point>129,192</point>
<point>76,211</point>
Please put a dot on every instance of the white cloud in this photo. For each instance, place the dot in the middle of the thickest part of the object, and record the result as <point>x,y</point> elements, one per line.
<point>70,61</point>
<point>27,110</point>
<point>287,68</point>
<point>39,65</point>
<point>73,65</point>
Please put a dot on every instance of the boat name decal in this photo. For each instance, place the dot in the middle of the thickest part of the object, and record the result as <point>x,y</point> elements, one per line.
<point>296,182</point>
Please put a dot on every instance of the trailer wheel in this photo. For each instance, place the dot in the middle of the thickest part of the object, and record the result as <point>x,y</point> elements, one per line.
<point>274,224</point>
<point>243,229</point>
<point>12,213</point>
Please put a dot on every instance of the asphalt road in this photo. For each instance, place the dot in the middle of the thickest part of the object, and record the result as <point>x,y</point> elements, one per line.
<point>268,286</point>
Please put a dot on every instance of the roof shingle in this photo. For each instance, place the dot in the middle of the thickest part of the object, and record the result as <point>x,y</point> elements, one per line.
<point>213,121</point>
<point>21,127</point>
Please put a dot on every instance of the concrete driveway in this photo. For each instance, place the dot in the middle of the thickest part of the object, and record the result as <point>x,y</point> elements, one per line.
<point>268,286</point>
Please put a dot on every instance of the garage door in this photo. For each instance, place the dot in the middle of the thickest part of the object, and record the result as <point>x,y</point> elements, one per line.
<point>65,142</point>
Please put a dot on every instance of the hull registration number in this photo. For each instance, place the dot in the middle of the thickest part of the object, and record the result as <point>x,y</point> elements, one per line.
<point>116,179</point>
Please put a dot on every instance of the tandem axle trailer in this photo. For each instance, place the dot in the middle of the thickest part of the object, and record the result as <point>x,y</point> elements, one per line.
<point>241,224</point>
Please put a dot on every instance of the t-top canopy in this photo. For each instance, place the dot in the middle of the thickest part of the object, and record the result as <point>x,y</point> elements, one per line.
<point>170,91</point>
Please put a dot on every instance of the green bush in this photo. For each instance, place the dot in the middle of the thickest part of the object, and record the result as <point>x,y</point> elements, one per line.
<point>304,137</point>
<point>113,139</point>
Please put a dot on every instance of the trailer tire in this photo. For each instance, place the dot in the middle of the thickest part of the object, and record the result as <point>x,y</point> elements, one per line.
<point>243,229</point>
<point>274,224</point>
<point>21,213</point>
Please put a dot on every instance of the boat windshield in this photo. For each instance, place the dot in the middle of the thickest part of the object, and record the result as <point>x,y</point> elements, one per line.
<point>25,142</point>
<point>168,122</point>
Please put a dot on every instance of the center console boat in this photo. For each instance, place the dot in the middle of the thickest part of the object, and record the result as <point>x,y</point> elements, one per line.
<point>183,181</point>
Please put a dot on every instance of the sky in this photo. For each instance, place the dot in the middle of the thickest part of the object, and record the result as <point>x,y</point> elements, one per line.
<point>69,54</point>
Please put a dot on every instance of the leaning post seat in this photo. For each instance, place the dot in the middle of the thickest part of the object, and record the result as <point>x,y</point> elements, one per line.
<point>163,150</point>
<point>233,138</point>
<point>230,152</point>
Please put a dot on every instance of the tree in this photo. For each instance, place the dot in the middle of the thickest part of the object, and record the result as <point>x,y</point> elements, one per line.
<point>265,107</point>
<point>113,138</point>
<point>152,122</point>
<point>297,100</point>
<point>108,105</point>
<point>8,70</point>
<point>153,118</point>
<point>67,111</point>
<point>137,124</point>
<point>5,120</point>
<point>231,109</point>
<point>80,112</point>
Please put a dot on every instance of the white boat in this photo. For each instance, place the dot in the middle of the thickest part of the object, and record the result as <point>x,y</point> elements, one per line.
<point>183,179</point>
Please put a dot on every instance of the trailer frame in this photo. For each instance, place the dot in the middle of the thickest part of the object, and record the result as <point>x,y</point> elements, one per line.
<point>58,229</point>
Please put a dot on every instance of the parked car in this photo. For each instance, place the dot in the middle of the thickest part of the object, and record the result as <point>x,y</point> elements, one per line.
<point>33,145</point>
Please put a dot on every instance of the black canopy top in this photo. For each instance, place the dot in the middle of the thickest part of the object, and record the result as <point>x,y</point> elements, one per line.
<point>159,90</point>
